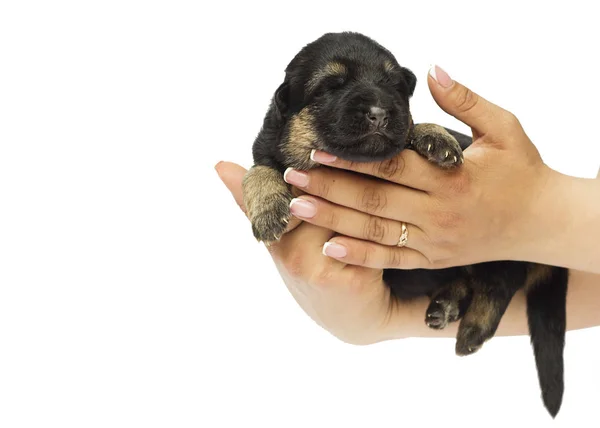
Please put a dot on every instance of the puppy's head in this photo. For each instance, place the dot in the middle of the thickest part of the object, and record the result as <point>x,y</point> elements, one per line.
<point>347,95</point>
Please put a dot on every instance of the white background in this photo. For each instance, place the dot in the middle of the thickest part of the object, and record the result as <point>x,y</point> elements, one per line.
<point>131,290</point>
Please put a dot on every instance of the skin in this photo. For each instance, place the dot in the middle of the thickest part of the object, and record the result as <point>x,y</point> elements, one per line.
<point>501,204</point>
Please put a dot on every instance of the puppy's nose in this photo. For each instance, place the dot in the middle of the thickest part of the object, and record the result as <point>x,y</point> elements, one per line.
<point>377,117</point>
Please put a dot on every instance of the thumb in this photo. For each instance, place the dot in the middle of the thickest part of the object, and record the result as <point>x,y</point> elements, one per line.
<point>482,116</point>
<point>232,175</point>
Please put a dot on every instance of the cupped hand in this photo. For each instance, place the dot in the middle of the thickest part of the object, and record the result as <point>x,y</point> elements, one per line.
<point>480,211</point>
<point>351,302</point>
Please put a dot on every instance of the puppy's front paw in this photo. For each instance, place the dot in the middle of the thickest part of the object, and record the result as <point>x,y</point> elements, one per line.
<point>271,219</point>
<point>439,148</point>
<point>267,198</point>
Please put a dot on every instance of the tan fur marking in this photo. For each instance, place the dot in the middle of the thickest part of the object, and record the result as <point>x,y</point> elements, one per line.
<point>258,182</point>
<point>388,66</point>
<point>300,141</point>
<point>481,312</point>
<point>536,274</point>
<point>331,69</point>
<point>422,129</point>
<point>458,290</point>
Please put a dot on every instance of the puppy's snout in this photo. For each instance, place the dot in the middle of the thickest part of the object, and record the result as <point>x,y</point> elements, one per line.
<point>377,117</point>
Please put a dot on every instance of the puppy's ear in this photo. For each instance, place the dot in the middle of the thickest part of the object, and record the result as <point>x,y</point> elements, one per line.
<point>281,99</point>
<point>411,80</point>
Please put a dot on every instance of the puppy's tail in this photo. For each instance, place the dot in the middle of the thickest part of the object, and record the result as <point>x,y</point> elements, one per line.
<point>546,315</point>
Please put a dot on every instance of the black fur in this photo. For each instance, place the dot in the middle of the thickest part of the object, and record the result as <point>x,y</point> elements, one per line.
<point>367,74</point>
<point>546,313</point>
<point>338,100</point>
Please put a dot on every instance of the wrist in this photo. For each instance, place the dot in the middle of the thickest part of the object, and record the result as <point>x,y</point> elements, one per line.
<point>561,222</point>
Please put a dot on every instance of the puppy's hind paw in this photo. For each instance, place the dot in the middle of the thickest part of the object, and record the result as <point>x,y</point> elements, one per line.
<point>441,312</point>
<point>470,338</point>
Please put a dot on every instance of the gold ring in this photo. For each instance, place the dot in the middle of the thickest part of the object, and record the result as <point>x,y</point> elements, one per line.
<point>404,236</point>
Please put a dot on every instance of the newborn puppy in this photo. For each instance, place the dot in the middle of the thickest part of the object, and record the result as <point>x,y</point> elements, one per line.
<point>347,95</point>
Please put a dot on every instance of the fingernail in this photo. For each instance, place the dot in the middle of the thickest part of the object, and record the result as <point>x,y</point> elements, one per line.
<point>218,170</point>
<point>332,249</point>
<point>295,178</point>
<point>322,157</point>
<point>440,76</point>
<point>302,208</point>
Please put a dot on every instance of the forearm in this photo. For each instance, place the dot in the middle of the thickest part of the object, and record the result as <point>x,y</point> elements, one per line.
<point>583,311</point>
<point>563,227</point>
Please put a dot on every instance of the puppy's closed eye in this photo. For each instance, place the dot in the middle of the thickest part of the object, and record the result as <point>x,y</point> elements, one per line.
<point>328,84</point>
<point>396,79</point>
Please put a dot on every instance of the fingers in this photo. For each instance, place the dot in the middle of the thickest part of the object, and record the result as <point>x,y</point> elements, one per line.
<point>407,168</point>
<point>300,252</point>
<point>355,224</point>
<point>371,255</point>
<point>361,193</point>
<point>301,245</point>
<point>231,175</point>
<point>470,108</point>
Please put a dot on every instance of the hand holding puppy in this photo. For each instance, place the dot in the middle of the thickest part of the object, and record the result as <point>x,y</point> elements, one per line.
<point>351,302</point>
<point>501,204</point>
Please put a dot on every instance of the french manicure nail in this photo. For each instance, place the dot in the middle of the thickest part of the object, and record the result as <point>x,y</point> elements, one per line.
<point>322,157</point>
<point>440,76</point>
<point>295,178</point>
<point>332,249</point>
<point>302,208</point>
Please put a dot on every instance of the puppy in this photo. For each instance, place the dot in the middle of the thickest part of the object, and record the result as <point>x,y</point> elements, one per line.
<point>347,95</point>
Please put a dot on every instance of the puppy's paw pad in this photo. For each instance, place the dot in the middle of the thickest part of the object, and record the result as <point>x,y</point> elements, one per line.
<point>470,339</point>
<point>270,223</point>
<point>441,149</point>
<point>441,312</point>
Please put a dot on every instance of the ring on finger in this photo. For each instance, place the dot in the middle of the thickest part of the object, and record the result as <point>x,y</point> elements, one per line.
<point>403,236</point>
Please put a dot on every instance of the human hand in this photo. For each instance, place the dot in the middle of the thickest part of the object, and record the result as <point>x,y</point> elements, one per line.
<point>351,302</point>
<point>481,211</point>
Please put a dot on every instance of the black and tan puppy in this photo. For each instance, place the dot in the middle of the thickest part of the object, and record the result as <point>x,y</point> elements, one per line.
<point>347,95</point>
